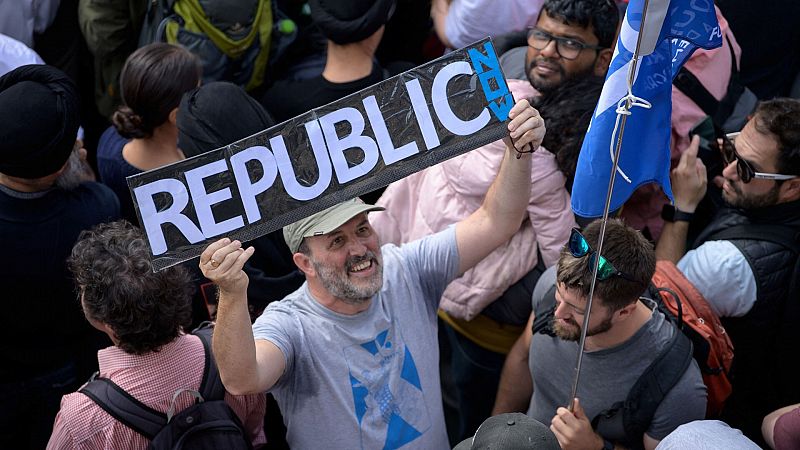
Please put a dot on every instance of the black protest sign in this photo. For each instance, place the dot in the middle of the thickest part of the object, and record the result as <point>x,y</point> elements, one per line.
<point>330,154</point>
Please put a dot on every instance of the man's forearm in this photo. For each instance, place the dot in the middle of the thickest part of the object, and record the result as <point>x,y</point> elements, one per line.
<point>516,387</point>
<point>672,243</point>
<point>509,195</point>
<point>234,346</point>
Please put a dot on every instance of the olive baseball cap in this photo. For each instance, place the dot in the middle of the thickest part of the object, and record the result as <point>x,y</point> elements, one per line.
<point>324,221</point>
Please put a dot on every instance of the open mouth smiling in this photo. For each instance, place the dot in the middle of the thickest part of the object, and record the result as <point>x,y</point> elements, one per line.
<point>360,266</point>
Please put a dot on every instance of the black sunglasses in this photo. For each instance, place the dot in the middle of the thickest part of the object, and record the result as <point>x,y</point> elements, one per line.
<point>743,167</point>
<point>579,247</point>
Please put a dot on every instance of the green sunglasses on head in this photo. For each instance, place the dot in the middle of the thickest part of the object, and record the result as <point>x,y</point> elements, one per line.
<point>579,247</point>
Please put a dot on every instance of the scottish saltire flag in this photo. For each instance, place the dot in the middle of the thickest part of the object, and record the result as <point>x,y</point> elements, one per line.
<point>673,29</point>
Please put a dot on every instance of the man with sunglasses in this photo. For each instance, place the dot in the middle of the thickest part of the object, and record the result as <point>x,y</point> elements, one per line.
<point>625,334</point>
<point>745,261</point>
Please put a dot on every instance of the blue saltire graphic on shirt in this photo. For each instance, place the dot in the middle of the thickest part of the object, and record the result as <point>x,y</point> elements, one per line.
<point>387,394</point>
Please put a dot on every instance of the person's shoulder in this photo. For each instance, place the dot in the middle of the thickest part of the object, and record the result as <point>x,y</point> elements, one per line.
<point>99,195</point>
<point>290,305</point>
<point>716,256</point>
<point>111,143</point>
<point>283,93</point>
<point>443,237</point>
<point>81,416</point>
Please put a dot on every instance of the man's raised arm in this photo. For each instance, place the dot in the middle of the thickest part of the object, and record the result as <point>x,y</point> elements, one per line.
<point>245,366</point>
<point>504,206</point>
<point>688,188</point>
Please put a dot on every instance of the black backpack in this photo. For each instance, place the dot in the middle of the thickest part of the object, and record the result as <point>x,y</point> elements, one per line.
<point>207,424</point>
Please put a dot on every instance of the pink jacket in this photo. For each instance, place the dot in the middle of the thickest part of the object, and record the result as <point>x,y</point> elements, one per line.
<point>437,197</point>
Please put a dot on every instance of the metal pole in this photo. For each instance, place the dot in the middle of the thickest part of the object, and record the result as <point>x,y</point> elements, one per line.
<point>599,249</point>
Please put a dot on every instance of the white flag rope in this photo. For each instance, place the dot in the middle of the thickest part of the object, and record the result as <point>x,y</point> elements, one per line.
<point>624,106</point>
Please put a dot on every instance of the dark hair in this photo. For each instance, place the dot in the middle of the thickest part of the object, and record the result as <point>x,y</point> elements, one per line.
<point>152,82</point>
<point>217,114</point>
<point>602,15</point>
<point>112,270</point>
<point>567,111</point>
<point>623,247</point>
<point>780,118</point>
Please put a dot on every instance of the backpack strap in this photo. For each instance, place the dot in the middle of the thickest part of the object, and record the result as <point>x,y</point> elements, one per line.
<point>719,110</point>
<point>544,312</point>
<point>649,391</point>
<point>655,382</point>
<point>124,407</point>
<point>211,388</point>
<point>687,83</point>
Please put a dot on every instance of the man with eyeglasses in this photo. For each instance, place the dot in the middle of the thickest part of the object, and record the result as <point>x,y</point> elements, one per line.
<point>745,261</point>
<point>571,39</point>
<point>626,333</point>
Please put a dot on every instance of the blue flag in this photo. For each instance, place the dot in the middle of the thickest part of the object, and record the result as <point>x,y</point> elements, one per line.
<point>673,29</point>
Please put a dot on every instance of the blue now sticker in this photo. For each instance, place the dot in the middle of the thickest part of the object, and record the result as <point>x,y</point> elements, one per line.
<point>487,66</point>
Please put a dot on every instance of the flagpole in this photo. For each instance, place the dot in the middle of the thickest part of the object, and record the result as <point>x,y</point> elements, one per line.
<point>614,165</point>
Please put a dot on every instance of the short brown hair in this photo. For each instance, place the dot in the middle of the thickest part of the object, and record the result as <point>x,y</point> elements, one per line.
<point>623,247</point>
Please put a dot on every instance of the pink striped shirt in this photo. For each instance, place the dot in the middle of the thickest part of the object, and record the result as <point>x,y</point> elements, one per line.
<point>152,379</point>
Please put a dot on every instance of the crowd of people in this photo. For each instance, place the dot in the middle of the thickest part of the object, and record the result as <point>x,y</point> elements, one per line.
<point>442,312</point>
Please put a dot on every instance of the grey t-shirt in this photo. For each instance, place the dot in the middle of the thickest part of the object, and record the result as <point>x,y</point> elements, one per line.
<point>369,380</point>
<point>608,374</point>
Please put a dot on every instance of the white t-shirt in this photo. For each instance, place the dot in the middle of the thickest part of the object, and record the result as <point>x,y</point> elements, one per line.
<point>721,273</point>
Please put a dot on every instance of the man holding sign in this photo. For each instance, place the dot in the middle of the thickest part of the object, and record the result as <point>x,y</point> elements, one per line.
<point>352,356</point>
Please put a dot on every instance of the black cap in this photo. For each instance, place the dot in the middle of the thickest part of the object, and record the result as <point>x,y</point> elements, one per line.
<point>39,117</point>
<point>347,21</point>
<point>217,114</point>
<point>511,431</point>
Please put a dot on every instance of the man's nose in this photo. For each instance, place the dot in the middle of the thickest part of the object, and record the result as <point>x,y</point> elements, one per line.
<point>357,248</point>
<point>730,171</point>
<point>561,311</point>
<point>550,50</point>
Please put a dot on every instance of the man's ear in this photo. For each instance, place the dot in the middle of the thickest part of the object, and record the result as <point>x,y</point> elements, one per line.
<point>173,116</point>
<point>303,262</point>
<point>789,191</point>
<point>625,312</point>
<point>602,61</point>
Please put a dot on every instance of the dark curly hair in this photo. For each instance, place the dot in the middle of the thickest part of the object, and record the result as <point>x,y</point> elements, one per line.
<point>602,15</point>
<point>112,270</point>
<point>567,111</point>
<point>780,118</point>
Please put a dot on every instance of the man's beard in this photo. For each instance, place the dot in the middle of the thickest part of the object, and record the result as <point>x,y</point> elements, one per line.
<point>750,201</point>
<point>573,332</point>
<point>338,283</point>
<point>76,171</point>
<point>550,85</point>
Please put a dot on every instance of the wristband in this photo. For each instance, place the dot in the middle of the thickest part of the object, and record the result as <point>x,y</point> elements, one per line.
<point>672,214</point>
